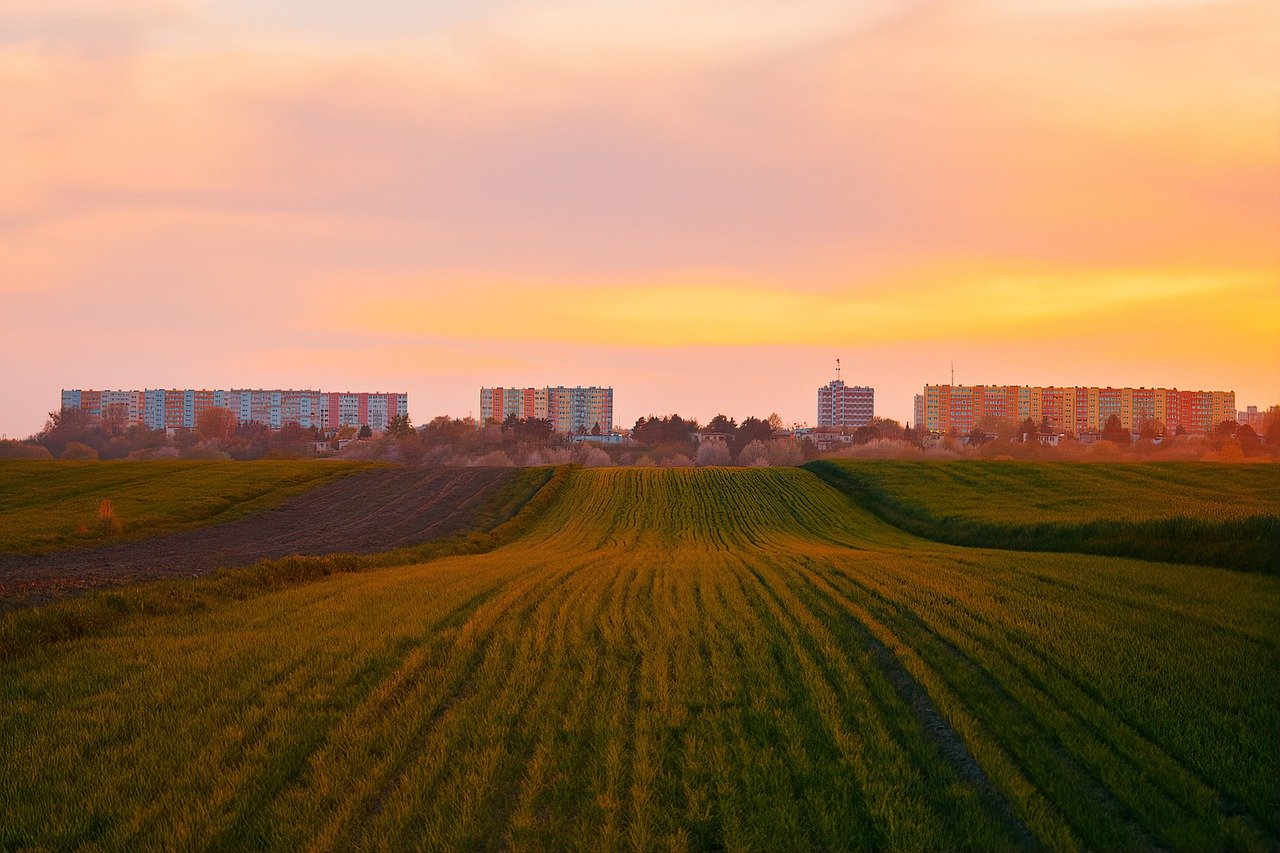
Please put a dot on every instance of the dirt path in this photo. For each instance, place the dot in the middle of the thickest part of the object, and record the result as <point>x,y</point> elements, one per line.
<point>372,511</point>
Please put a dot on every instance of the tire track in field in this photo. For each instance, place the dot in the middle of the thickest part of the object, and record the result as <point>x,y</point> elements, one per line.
<point>1063,762</point>
<point>951,745</point>
<point>1135,750</point>
<point>915,697</point>
<point>1034,804</point>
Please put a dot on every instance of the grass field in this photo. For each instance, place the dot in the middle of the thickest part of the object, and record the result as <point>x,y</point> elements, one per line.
<point>670,659</point>
<point>1204,513</point>
<point>45,506</point>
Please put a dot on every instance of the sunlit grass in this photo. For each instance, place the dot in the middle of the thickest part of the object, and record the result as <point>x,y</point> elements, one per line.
<point>49,505</point>
<point>667,659</point>
<point>1188,512</point>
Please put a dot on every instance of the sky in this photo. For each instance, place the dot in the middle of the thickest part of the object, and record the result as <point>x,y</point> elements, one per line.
<point>702,204</point>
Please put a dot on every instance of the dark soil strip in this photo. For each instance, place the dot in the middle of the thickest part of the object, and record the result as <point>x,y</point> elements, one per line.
<point>368,512</point>
<point>951,744</point>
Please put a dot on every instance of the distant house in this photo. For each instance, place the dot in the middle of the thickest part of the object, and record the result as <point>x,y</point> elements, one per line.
<point>824,440</point>
<point>607,438</point>
<point>701,438</point>
<point>1050,438</point>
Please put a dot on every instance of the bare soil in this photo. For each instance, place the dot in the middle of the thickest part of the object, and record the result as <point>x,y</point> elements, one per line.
<point>371,511</point>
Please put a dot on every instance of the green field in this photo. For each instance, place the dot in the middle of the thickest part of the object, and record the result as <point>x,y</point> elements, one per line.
<point>669,659</point>
<point>1189,512</point>
<point>46,506</point>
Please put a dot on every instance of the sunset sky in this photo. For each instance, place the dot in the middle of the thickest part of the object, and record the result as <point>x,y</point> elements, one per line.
<point>702,204</point>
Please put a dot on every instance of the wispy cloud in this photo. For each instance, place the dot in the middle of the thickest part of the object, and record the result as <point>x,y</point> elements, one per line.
<point>651,175</point>
<point>697,310</point>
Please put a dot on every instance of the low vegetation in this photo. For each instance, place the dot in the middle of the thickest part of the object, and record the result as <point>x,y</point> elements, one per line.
<point>504,513</point>
<point>678,659</point>
<point>1200,513</point>
<point>48,505</point>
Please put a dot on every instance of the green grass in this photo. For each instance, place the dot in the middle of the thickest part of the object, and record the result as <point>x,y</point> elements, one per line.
<point>46,506</point>
<point>1199,513</point>
<point>500,518</point>
<point>668,659</point>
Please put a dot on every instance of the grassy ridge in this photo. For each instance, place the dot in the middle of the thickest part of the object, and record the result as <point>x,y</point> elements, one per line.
<point>49,505</point>
<point>504,515</point>
<point>677,659</point>
<point>1197,513</point>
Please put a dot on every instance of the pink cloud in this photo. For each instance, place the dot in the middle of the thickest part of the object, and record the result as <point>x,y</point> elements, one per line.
<point>203,185</point>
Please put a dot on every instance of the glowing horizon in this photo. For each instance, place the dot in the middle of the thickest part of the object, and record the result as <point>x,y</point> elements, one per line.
<point>697,204</point>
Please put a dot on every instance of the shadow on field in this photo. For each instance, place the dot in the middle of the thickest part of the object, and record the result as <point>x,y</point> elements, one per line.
<point>1250,544</point>
<point>371,511</point>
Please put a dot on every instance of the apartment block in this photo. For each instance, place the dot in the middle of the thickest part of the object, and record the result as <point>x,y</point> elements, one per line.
<point>1251,417</point>
<point>1081,409</point>
<point>175,408</point>
<point>841,405</point>
<point>126,406</point>
<point>575,410</point>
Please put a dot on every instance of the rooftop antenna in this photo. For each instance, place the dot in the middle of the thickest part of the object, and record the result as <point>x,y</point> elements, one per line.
<point>953,372</point>
<point>837,370</point>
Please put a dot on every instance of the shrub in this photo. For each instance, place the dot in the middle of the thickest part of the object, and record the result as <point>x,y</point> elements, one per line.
<point>23,450</point>
<point>713,453</point>
<point>76,451</point>
<point>755,453</point>
<point>596,458</point>
<point>107,519</point>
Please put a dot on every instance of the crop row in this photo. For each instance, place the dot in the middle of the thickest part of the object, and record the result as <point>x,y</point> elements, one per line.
<point>669,660</point>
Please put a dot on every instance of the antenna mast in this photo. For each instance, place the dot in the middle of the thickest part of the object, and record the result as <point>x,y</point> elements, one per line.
<point>837,370</point>
<point>953,372</point>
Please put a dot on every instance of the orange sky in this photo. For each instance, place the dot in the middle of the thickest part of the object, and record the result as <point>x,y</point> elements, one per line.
<point>702,204</point>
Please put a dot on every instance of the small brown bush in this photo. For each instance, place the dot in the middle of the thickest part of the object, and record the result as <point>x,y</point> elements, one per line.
<point>79,452</point>
<point>107,519</point>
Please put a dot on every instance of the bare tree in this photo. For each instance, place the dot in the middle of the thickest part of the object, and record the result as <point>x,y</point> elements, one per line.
<point>713,453</point>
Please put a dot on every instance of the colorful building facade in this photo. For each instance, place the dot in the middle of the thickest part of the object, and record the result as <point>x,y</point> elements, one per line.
<point>841,405</point>
<point>961,408</point>
<point>576,410</point>
<point>177,408</point>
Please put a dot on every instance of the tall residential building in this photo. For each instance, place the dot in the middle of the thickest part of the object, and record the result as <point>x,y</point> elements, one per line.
<point>1252,417</point>
<point>169,408</point>
<point>919,412</point>
<point>841,405</point>
<point>1079,409</point>
<point>570,410</point>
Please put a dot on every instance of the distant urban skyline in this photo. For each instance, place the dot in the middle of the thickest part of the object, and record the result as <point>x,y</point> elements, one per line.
<point>179,408</point>
<point>1073,409</point>
<point>1229,403</point>
<point>700,204</point>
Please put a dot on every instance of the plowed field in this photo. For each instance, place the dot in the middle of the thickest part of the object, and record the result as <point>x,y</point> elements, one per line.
<point>374,510</point>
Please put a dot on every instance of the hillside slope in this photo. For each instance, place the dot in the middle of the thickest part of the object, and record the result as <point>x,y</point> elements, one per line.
<point>375,509</point>
<point>47,506</point>
<point>1197,513</point>
<point>682,659</point>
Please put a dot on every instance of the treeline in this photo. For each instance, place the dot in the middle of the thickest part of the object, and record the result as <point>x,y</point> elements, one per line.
<point>73,435</point>
<point>667,440</point>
